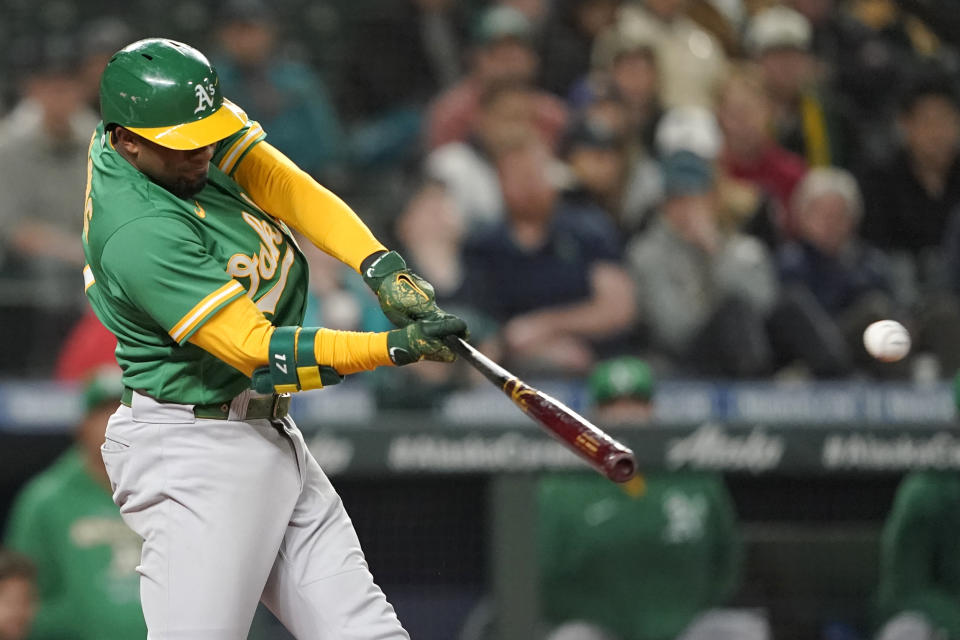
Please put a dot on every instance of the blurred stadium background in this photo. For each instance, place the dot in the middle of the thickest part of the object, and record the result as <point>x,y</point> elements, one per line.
<point>801,157</point>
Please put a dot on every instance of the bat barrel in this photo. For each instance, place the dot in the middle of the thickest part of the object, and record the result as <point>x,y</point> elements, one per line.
<point>620,466</point>
<point>603,453</point>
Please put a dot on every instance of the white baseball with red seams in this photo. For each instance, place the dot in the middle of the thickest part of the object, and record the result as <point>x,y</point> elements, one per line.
<point>887,340</point>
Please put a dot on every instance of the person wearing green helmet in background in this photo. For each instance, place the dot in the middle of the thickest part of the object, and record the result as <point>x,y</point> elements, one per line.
<point>192,265</point>
<point>918,596</point>
<point>652,559</point>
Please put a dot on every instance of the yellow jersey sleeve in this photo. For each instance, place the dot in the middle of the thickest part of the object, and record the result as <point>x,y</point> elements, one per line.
<point>287,192</point>
<point>240,335</point>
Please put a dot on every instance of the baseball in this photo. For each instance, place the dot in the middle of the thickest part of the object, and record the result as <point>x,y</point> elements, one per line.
<point>887,340</point>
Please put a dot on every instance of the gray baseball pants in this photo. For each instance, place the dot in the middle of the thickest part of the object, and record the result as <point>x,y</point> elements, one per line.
<point>231,513</point>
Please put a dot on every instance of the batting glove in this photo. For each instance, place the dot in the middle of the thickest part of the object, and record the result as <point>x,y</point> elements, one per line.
<point>404,296</point>
<point>423,340</point>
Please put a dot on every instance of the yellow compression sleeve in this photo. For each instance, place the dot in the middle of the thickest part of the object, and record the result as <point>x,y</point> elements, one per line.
<point>281,188</point>
<point>239,335</point>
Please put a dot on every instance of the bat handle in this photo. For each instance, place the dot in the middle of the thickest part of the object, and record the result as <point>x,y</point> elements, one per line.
<point>457,344</point>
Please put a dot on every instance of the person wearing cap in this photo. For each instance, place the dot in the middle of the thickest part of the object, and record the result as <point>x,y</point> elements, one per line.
<point>625,56</point>
<point>653,559</point>
<point>624,82</point>
<point>43,143</point>
<point>703,291</point>
<point>807,120</point>
<point>64,519</point>
<point>596,159</point>
<point>187,228</point>
<point>622,391</point>
<point>503,49</point>
<point>919,578</point>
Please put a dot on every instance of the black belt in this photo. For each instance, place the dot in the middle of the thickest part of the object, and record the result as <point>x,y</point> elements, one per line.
<point>263,408</point>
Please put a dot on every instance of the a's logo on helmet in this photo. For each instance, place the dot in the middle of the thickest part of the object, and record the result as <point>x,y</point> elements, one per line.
<point>204,97</point>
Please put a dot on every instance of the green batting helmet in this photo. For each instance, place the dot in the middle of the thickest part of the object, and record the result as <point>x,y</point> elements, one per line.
<point>621,377</point>
<point>167,92</point>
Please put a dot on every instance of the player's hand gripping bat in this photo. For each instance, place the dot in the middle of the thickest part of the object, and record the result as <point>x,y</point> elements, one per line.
<point>588,442</point>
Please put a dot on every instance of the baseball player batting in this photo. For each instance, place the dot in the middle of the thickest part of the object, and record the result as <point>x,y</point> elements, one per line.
<point>191,264</point>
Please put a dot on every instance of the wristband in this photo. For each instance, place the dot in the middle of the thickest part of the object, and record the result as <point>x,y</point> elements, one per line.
<point>293,364</point>
<point>378,266</point>
<point>283,364</point>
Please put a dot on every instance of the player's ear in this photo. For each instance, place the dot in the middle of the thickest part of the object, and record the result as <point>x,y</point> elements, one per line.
<point>126,140</point>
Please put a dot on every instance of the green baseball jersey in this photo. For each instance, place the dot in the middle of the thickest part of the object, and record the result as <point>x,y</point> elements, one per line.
<point>86,556</point>
<point>159,266</point>
<point>920,551</point>
<point>642,566</point>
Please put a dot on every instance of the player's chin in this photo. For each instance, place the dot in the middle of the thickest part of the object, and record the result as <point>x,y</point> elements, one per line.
<point>186,189</point>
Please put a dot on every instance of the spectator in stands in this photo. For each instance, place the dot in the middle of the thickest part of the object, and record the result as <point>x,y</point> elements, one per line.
<point>704,293</point>
<point>550,273</point>
<point>648,560</point>
<point>17,595</point>
<point>908,199</point>
<point>286,97</point>
<point>626,59</point>
<point>66,522</point>
<point>908,204</point>
<point>43,148</point>
<point>833,284</point>
<point>625,70</point>
<point>596,159</point>
<point>807,120</point>
<point>506,118</point>
<point>503,49</point>
<point>919,588</point>
<point>878,45</point>
<point>751,154</point>
<point>740,204</point>
<point>568,40</point>
<point>691,60</point>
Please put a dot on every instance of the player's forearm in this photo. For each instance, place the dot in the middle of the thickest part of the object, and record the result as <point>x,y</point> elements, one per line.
<point>240,335</point>
<point>281,188</point>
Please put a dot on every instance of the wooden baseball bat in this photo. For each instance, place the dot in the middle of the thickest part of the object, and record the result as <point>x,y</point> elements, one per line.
<point>587,441</point>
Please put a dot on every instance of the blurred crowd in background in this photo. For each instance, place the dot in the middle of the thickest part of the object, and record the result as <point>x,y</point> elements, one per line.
<point>715,189</point>
<point>725,188</point>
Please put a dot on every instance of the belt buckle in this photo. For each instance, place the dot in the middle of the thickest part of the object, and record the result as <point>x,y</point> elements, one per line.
<point>281,405</point>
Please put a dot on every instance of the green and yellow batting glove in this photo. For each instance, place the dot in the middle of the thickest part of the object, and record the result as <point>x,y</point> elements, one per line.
<point>423,340</point>
<point>293,364</point>
<point>404,296</point>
